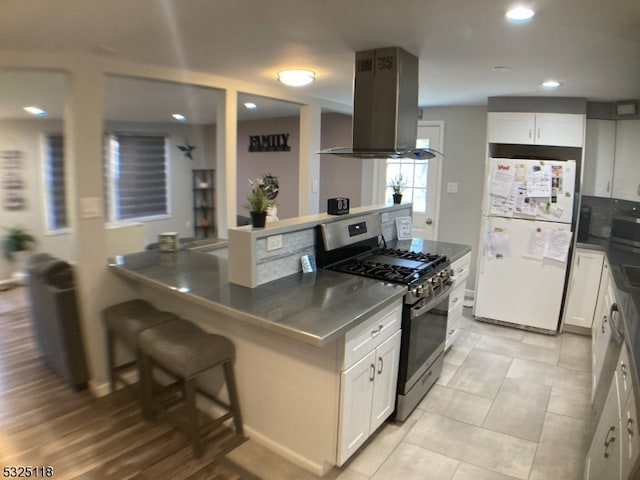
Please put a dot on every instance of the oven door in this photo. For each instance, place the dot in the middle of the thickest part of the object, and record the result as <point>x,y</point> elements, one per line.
<point>424,329</point>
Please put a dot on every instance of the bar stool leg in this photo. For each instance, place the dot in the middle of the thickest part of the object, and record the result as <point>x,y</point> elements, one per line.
<point>191,413</point>
<point>111,359</point>
<point>234,401</point>
<point>146,380</point>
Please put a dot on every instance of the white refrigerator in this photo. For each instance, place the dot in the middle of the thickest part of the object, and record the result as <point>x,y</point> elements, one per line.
<point>527,215</point>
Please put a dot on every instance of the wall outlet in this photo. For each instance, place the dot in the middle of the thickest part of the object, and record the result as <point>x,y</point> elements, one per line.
<point>385,217</point>
<point>274,242</point>
<point>452,187</point>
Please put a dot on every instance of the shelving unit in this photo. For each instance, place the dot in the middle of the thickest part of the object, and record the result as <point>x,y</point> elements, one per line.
<point>204,211</point>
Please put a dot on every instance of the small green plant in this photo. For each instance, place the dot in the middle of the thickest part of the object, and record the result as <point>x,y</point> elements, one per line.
<point>16,240</point>
<point>258,200</point>
<point>398,183</point>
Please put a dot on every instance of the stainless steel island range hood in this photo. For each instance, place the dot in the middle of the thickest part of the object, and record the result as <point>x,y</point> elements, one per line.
<point>385,107</point>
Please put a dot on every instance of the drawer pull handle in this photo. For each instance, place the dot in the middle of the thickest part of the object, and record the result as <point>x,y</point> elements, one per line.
<point>608,441</point>
<point>604,320</point>
<point>380,365</point>
<point>372,372</point>
<point>630,426</point>
<point>452,331</point>
<point>623,369</point>
<point>375,333</point>
<point>455,300</point>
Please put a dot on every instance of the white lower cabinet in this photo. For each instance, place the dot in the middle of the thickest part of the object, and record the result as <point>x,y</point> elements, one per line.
<point>456,297</point>
<point>601,332</point>
<point>369,380</point>
<point>603,459</point>
<point>584,284</point>
<point>616,444</point>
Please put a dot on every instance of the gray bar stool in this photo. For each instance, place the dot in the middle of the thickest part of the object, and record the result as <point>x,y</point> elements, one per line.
<point>124,321</point>
<point>184,351</point>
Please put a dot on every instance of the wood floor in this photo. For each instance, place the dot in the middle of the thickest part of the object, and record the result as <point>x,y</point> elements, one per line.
<point>45,423</point>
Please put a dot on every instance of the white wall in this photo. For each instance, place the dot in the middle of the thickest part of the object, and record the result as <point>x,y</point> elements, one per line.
<point>465,148</point>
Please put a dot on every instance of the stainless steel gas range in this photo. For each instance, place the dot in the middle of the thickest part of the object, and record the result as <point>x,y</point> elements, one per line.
<point>356,246</point>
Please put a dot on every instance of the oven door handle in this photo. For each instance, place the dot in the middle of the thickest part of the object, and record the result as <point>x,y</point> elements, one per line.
<point>432,303</point>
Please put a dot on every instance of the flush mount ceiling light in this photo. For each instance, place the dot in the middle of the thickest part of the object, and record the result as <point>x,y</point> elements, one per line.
<point>179,117</point>
<point>501,69</point>
<point>250,105</point>
<point>296,78</point>
<point>520,14</point>
<point>551,84</point>
<point>37,111</point>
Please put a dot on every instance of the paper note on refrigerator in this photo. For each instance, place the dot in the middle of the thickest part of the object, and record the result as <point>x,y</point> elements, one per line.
<point>498,245</point>
<point>536,243</point>
<point>557,248</point>
<point>539,180</point>
<point>502,180</point>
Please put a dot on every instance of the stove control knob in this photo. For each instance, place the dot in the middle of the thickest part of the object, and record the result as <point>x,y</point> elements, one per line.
<point>419,291</point>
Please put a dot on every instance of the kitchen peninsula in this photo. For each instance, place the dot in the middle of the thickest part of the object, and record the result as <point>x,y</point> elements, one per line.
<point>290,328</point>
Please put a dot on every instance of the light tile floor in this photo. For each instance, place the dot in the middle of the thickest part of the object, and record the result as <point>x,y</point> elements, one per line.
<point>510,404</point>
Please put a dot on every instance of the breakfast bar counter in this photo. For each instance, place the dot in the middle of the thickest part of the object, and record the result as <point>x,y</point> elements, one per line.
<point>315,308</point>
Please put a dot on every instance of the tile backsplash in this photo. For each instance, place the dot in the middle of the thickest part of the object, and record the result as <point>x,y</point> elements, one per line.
<point>604,209</point>
<point>271,265</point>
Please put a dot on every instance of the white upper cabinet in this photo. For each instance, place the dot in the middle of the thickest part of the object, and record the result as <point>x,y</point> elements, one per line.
<point>558,129</point>
<point>599,154</point>
<point>626,177</point>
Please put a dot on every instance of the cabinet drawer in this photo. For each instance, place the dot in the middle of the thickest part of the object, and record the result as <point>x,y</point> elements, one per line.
<point>456,295</point>
<point>454,317</point>
<point>623,372</point>
<point>363,338</point>
<point>461,269</point>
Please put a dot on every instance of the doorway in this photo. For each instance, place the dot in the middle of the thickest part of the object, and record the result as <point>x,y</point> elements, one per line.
<point>424,178</point>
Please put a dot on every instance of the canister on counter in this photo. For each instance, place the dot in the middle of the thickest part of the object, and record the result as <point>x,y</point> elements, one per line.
<point>169,242</point>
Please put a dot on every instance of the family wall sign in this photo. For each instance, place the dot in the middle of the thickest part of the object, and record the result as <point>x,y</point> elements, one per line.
<point>277,142</point>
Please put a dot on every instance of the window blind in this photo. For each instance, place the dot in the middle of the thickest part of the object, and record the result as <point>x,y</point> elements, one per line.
<point>55,190</point>
<point>138,176</point>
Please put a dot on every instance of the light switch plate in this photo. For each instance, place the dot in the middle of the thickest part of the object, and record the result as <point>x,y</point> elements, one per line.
<point>90,207</point>
<point>274,242</point>
<point>452,187</point>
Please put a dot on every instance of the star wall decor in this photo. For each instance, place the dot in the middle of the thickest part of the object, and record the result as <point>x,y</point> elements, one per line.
<point>186,150</point>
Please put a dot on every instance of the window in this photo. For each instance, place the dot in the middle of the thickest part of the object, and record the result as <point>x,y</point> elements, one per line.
<point>135,176</point>
<point>416,173</point>
<point>55,190</point>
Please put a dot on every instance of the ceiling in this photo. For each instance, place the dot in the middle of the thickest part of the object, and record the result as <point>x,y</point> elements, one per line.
<point>590,46</point>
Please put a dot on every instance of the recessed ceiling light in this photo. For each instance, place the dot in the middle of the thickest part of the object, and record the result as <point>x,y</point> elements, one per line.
<point>520,14</point>
<point>296,78</point>
<point>180,117</point>
<point>37,111</point>
<point>551,84</point>
<point>250,105</point>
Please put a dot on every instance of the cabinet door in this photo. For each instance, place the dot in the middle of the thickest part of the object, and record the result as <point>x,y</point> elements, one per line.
<point>626,179</point>
<point>603,459</point>
<point>630,437</point>
<point>454,314</point>
<point>583,288</point>
<point>384,389</point>
<point>355,406</point>
<point>600,147</point>
<point>510,127</point>
<point>604,336</point>
<point>562,129</point>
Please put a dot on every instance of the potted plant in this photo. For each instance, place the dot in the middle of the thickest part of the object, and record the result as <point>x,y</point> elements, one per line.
<point>397,185</point>
<point>15,244</point>
<point>258,202</point>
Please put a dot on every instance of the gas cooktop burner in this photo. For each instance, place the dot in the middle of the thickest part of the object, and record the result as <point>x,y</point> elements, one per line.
<point>398,266</point>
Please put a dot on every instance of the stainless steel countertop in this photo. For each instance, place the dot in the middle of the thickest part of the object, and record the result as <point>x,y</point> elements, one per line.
<point>315,308</point>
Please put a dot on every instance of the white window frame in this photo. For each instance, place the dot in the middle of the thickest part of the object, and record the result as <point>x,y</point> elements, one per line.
<point>49,198</point>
